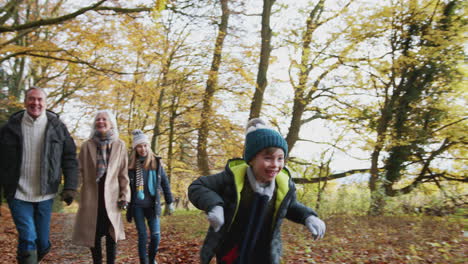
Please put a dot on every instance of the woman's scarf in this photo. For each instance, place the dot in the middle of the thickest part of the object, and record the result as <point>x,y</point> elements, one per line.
<point>103,142</point>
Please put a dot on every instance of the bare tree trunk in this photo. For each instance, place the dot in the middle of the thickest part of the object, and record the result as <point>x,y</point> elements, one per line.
<point>300,100</point>
<point>377,195</point>
<point>170,149</point>
<point>324,170</point>
<point>211,86</point>
<point>133,98</point>
<point>17,81</point>
<point>296,122</point>
<point>377,192</point>
<point>157,122</point>
<point>262,81</point>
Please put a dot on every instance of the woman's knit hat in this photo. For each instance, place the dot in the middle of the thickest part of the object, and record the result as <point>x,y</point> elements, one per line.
<point>138,138</point>
<point>259,136</point>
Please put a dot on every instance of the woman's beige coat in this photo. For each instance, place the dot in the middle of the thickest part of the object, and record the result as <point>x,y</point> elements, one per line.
<point>116,188</point>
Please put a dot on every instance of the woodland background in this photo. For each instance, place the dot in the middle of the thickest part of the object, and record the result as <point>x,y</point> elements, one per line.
<point>370,95</point>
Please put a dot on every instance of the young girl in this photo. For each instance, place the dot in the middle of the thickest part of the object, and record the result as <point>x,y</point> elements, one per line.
<point>246,203</point>
<point>146,175</point>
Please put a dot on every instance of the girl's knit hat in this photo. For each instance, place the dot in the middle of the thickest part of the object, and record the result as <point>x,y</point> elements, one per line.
<point>259,136</point>
<point>138,138</point>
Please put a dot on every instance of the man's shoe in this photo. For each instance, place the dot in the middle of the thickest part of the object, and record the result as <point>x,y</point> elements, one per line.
<point>27,257</point>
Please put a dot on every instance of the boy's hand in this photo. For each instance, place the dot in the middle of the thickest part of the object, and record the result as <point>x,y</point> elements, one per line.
<point>216,217</point>
<point>316,226</point>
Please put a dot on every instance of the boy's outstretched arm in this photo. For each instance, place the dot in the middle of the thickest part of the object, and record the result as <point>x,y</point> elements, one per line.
<point>299,213</point>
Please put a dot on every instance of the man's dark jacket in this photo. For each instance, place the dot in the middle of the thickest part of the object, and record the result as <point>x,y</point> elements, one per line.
<point>58,155</point>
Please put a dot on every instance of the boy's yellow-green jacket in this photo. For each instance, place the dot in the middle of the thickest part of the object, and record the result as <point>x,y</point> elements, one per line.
<point>224,189</point>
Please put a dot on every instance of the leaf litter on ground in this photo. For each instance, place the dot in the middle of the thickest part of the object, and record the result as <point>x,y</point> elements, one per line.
<point>349,239</point>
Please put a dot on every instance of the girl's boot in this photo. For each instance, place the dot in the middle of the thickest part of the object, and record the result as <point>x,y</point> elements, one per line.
<point>144,260</point>
<point>153,248</point>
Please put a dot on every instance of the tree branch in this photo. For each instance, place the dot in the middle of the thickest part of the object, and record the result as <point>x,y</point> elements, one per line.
<point>330,177</point>
<point>50,21</point>
<point>8,9</point>
<point>124,10</point>
<point>57,20</point>
<point>77,61</point>
<point>453,123</point>
<point>17,37</point>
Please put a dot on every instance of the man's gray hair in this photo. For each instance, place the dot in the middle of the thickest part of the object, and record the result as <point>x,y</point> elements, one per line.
<point>34,88</point>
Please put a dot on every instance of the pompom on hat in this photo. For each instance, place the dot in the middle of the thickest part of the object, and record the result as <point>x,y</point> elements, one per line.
<point>259,136</point>
<point>139,138</point>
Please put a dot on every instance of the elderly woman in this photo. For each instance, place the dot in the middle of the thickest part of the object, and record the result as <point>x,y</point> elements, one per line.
<point>105,189</point>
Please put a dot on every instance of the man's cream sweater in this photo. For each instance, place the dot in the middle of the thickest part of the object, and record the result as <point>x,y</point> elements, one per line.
<point>29,185</point>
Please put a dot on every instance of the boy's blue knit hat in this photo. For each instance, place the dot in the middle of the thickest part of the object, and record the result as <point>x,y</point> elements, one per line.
<point>259,136</point>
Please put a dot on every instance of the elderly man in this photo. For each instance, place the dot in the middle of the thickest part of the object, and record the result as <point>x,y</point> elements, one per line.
<point>35,149</point>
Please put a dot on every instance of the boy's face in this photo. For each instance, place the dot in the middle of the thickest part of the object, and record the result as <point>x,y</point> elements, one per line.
<point>267,164</point>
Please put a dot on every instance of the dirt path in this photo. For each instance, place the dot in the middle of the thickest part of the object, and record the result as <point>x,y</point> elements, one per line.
<point>63,251</point>
<point>174,247</point>
<point>349,239</point>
